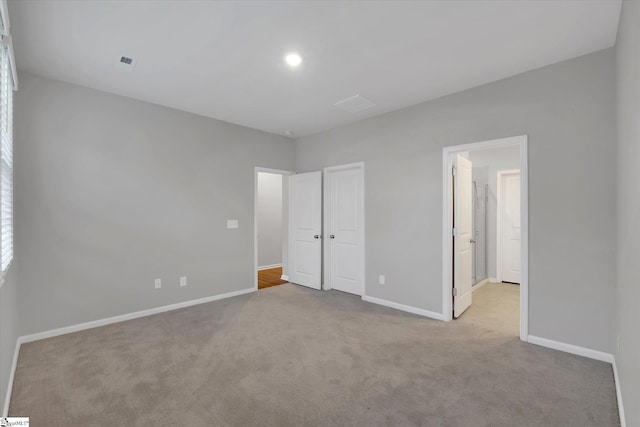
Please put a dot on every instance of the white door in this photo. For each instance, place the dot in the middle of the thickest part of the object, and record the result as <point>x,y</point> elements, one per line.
<point>510,229</point>
<point>305,229</point>
<point>345,229</point>
<point>462,222</point>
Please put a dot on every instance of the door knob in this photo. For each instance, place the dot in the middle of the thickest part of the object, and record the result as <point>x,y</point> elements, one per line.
<point>316,236</point>
<point>472,240</point>
<point>333,236</point>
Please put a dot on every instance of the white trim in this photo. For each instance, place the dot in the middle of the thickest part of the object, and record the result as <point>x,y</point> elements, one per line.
<point>447,299</point>
<point>284,277</point>
<point>255,215</point>
<point>130,316</point>
<point>570,348</point>
<point>326,206</point>
<point>268,267</point>
<point>616,378</point>
<point>479,284</point>
<point>12,373</point>
<point>499,218</point>
<point>592,354</point>
<point>402,307</point>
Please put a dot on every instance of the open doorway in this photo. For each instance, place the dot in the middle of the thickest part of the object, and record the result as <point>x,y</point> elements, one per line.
<point>270,227</point>
<point>485,234</point>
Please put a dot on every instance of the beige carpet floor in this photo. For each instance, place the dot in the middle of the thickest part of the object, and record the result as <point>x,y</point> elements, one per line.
<point>288,356</point>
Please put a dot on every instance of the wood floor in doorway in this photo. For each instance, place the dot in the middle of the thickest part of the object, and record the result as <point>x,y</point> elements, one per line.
<point>270,277</point>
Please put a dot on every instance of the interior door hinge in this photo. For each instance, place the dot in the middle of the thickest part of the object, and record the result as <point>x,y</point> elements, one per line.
<point>455,292</point>
<point>453,232</point>
<point>453,170</point>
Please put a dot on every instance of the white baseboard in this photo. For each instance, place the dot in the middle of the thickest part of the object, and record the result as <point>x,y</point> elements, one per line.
<point>267,267</point>
<point>284,277</point>
<point>480,284</point>
<point>130,316</point>
<point>544,342</point>
<point>12,373</point>
<point>570,348</point>
<point>403,307</point>
<point>623,421</point>
<point>104,322</point>
<point>592,354</point>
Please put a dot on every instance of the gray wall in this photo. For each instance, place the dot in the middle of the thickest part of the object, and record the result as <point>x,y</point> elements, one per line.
<point>270,219</point>
<point>8,327</point>
<point>628,301</point>
<point>496,160</point>
<point>112,193</point>
<point>568,111</point>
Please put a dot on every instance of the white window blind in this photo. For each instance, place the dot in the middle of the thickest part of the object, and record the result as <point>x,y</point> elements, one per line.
<point>6,160</point>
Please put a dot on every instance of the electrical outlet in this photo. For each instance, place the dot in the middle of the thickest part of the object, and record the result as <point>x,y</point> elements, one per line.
<point>183,281</point>
<point>382,279</point>
<point>158,283</point>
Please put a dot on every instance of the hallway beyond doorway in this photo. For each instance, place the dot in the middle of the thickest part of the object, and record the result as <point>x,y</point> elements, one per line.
<point>496,306</point>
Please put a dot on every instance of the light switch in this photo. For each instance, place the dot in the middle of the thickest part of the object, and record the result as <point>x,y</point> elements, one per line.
<point>232,223</point>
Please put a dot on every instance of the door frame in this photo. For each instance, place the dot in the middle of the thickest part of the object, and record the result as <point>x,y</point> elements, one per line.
<point>256,170</point>
<point>326,270</point>
<point>499,218</point>
<point>447,224</point>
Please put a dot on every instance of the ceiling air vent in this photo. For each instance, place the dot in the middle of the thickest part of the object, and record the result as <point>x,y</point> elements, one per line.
<point>126,63</point>
<point>355,104</point>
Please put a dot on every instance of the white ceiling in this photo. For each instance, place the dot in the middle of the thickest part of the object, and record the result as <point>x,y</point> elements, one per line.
<point>225,59</point>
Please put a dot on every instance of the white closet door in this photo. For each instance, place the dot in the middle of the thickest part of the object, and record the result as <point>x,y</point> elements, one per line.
<point>345,229</point>
<point>305,229</point>
<point>511,257</point>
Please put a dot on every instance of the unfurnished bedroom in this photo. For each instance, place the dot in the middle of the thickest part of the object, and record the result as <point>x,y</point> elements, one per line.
<point>319,213</point>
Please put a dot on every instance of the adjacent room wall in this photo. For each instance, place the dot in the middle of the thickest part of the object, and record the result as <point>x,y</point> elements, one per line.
<point>628,295</point>
<point>269,219</point>
<point>8,327</point>
<point>112,193</point>
<point>480,175</point>
<point>568,112</point>
<point>496,160</point>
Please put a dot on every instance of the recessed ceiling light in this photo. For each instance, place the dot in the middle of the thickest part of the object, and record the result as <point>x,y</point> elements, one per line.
<point>293,59</point>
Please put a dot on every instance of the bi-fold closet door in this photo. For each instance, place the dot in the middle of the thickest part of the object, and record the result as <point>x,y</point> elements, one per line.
<point>329,222</point>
